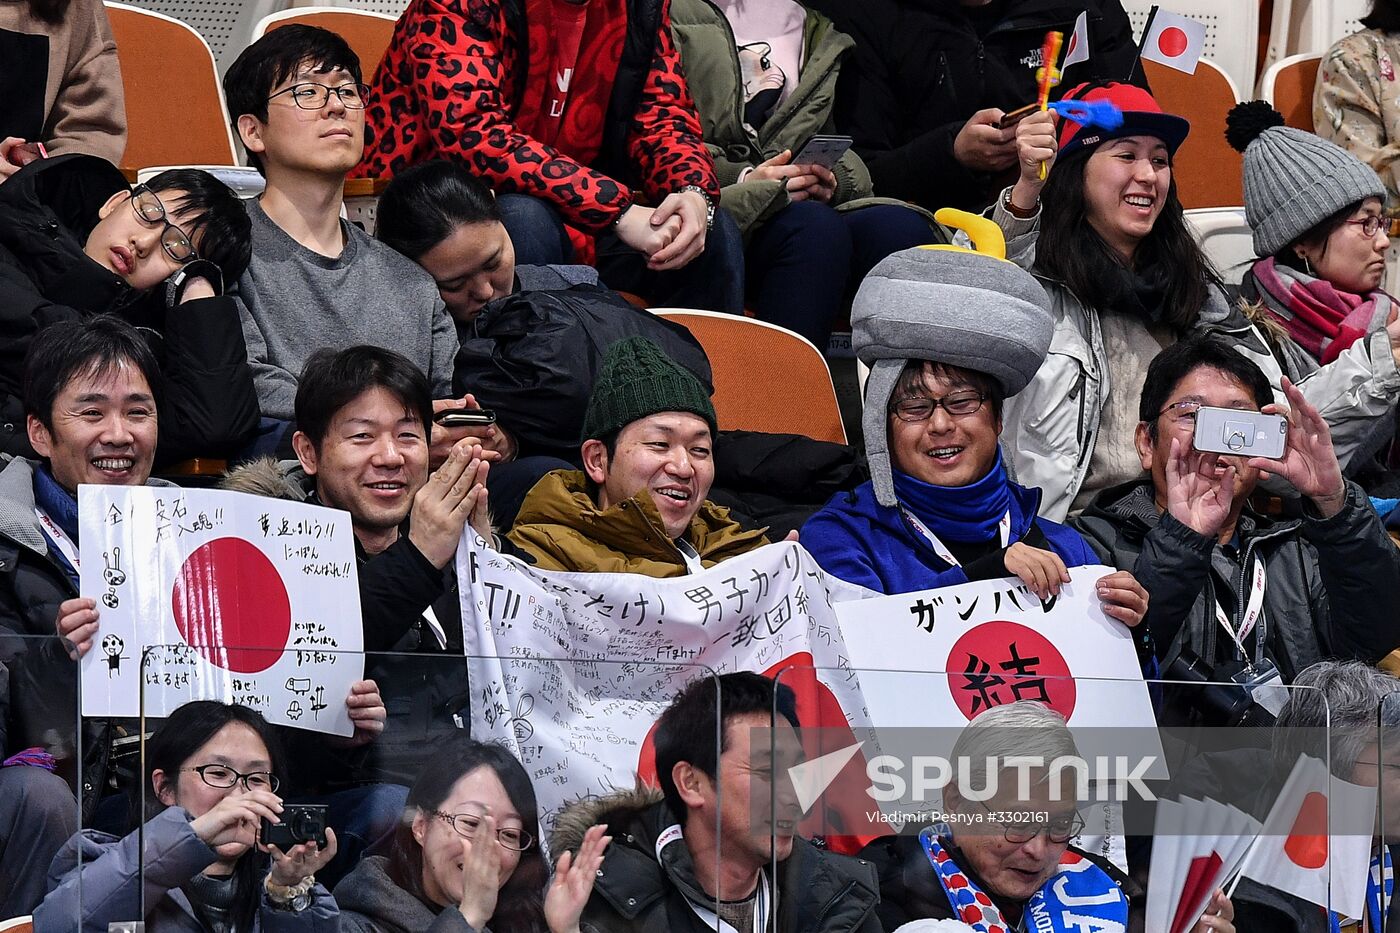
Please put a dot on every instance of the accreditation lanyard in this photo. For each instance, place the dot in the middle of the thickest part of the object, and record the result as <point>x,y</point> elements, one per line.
<point>1254,607</point>
<point>764,901</point>
<point>940,548</point>
<point>58,536</point>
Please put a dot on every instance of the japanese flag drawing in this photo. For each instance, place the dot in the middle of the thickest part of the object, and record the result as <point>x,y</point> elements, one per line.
<point>1077,47</point>
<point>1297,852</point>
<point>204,594</point>
<point>1174,40</point>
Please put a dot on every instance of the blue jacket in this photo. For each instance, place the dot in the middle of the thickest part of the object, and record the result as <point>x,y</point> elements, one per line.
<point>857,539</point>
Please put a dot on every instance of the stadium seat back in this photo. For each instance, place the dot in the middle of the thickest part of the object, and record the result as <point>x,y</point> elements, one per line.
<point>766,377</point>
<point>368,33</point>
<point>1207,171</point>
<point>1288,85</point>
<point>159,54</point>
<point>1225,237</point>
<point>18,925</point>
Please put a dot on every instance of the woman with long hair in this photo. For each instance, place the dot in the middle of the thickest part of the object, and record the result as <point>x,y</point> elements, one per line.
<point>213,770</point>
<point>1106,234</point>
<point>467,857</point>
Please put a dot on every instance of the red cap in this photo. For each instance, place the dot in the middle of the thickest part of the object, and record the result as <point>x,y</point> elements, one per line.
<point>1141,117</point>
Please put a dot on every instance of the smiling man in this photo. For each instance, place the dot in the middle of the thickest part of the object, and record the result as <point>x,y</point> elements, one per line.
<point>639,504</point>
<point>316,280</point>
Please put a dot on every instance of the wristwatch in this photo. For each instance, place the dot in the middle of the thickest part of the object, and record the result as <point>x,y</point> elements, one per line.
<point>1018,212</point>
<point>292,897</point>
<point>709,204</point>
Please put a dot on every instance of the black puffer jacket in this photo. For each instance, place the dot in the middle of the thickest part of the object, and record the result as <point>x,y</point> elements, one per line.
<point>921,68</point>
<point>1330,582</point>
<point>638,891</point>
<point>47,210</point>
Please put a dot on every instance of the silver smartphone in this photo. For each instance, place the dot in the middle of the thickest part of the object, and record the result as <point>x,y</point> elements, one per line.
<point>1242,433</point>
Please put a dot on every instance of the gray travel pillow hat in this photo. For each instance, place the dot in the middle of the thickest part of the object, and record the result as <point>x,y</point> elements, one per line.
<point>948,305</point>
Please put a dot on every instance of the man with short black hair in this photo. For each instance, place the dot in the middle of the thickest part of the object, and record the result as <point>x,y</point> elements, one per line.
<point>639,504</point>
<point>316,280</point>
<point>1229,587</point>
<point>700,853</point>
<point>76,241</point>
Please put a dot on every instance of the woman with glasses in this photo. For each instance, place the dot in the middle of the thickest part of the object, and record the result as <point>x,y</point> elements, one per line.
<point>467,857</point>
<point>1007,863</point>
<point>949,334</point>
<point>212,778</point>
<point>1319,222</point>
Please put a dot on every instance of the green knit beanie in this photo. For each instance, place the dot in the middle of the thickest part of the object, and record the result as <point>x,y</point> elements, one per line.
<point>638,380</point>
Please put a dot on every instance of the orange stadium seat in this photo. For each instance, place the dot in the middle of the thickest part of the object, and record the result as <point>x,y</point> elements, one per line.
<point>1288,85</point>
<point>1207,170</point>
<point>17,925</point>
<point>189,129</point>
<point>767,378</point>
<point>367,33</point>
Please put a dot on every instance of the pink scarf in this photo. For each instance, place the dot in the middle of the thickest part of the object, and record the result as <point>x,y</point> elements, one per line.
<point>1321,319</point>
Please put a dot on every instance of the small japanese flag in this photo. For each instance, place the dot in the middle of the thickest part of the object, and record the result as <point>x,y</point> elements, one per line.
<point>1174,40</point>
<point>1077,48</point>
<point>1296,853</point>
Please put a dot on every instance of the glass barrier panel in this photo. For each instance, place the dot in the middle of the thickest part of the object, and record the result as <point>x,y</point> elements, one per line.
<point>340,756</point>
<point>42,777</point>
<point>1033,788</point>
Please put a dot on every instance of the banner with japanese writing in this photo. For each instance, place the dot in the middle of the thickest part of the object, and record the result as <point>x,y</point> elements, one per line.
<point>239,598</point>
<point>993,642</point>
<point>571,669</point>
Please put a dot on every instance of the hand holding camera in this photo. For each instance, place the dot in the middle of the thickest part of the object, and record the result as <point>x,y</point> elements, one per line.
<point>235,819</point>
<point>300,843</point>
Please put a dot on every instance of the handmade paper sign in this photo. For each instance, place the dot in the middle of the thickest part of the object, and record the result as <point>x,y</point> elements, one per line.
<point>572,669</point>
<point>994,642</point>
<point>240,598</point>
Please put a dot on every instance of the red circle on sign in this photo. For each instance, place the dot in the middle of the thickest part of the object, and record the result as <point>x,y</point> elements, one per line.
<point>1001,662</point>
<point>1172,41</point>
<point>229,594</point>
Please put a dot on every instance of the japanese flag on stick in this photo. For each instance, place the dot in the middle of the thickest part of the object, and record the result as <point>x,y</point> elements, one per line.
<point>1077,48</point>
<point>1173,40</point>
<point>1295,851</point>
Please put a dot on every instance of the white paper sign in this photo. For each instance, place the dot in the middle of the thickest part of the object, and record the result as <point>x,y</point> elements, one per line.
<point>993,642</point>
<point>197,574</point>
<point>632,642</point>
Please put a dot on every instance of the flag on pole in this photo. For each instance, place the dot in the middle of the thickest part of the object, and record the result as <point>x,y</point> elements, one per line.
<point>1173,40</point>
<point>1295,852</point>
<point>1077,48</point>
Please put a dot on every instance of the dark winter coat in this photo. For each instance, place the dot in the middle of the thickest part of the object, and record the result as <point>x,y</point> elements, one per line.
<point>423,683</point>
<point>1330,584</point>
<point>40,707</point>
<point>370,902</point>
<point>639,892</point>
<point>920,69</point>
<point>208,408</point>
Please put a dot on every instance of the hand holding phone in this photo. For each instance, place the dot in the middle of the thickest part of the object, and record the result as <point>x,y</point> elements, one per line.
<point>823,150</point>
<point>465,417</point>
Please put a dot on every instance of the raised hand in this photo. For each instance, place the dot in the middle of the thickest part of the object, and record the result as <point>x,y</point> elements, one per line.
<point>77,623</point>
<point>495,443</point>
<point>367,712</point>
<point>1309,463</point>
<point>1043,572</point>
<point>1036,145</point>
<point>1199,495</point>
<point>1219,916</point>
<point>441,507</point>
<point>481,873</point>
<point>300,861</point>
<point>573,881</point>
<point>236,818</point>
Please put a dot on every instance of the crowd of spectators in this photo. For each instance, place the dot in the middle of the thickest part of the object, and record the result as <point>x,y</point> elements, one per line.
<point>1035,378</point>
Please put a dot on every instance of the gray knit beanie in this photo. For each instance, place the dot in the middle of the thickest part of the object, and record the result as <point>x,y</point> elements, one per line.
<point>965,308</point>
<point>1293,180</point>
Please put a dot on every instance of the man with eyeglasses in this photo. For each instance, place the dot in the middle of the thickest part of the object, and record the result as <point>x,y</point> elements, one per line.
<point>1236,594</point>
<point>317,281</point>
<point>76,241</point>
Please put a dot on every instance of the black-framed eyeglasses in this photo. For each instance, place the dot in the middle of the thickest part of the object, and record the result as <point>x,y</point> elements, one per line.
<point>224,777</point>
<point>918,408</point>
<point>150,210</point>
<point>1370,224</point>
<point>1059,830</point>
<point>466,824</point>
<point>312,96</point>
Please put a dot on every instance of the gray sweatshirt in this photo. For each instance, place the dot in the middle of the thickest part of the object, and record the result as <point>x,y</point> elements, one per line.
<point>294,302</point>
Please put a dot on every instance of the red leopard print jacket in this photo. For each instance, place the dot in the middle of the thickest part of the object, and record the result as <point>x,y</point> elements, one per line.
<point>449,86</point>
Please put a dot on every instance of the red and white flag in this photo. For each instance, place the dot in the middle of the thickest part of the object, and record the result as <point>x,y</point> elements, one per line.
<point>1174,40</point>
<point>1295,852</point>
<point>1077,47</point>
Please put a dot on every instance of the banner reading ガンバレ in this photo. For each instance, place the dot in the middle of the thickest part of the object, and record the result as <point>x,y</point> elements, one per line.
<point>572,669</point>
<point>239,598</point>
